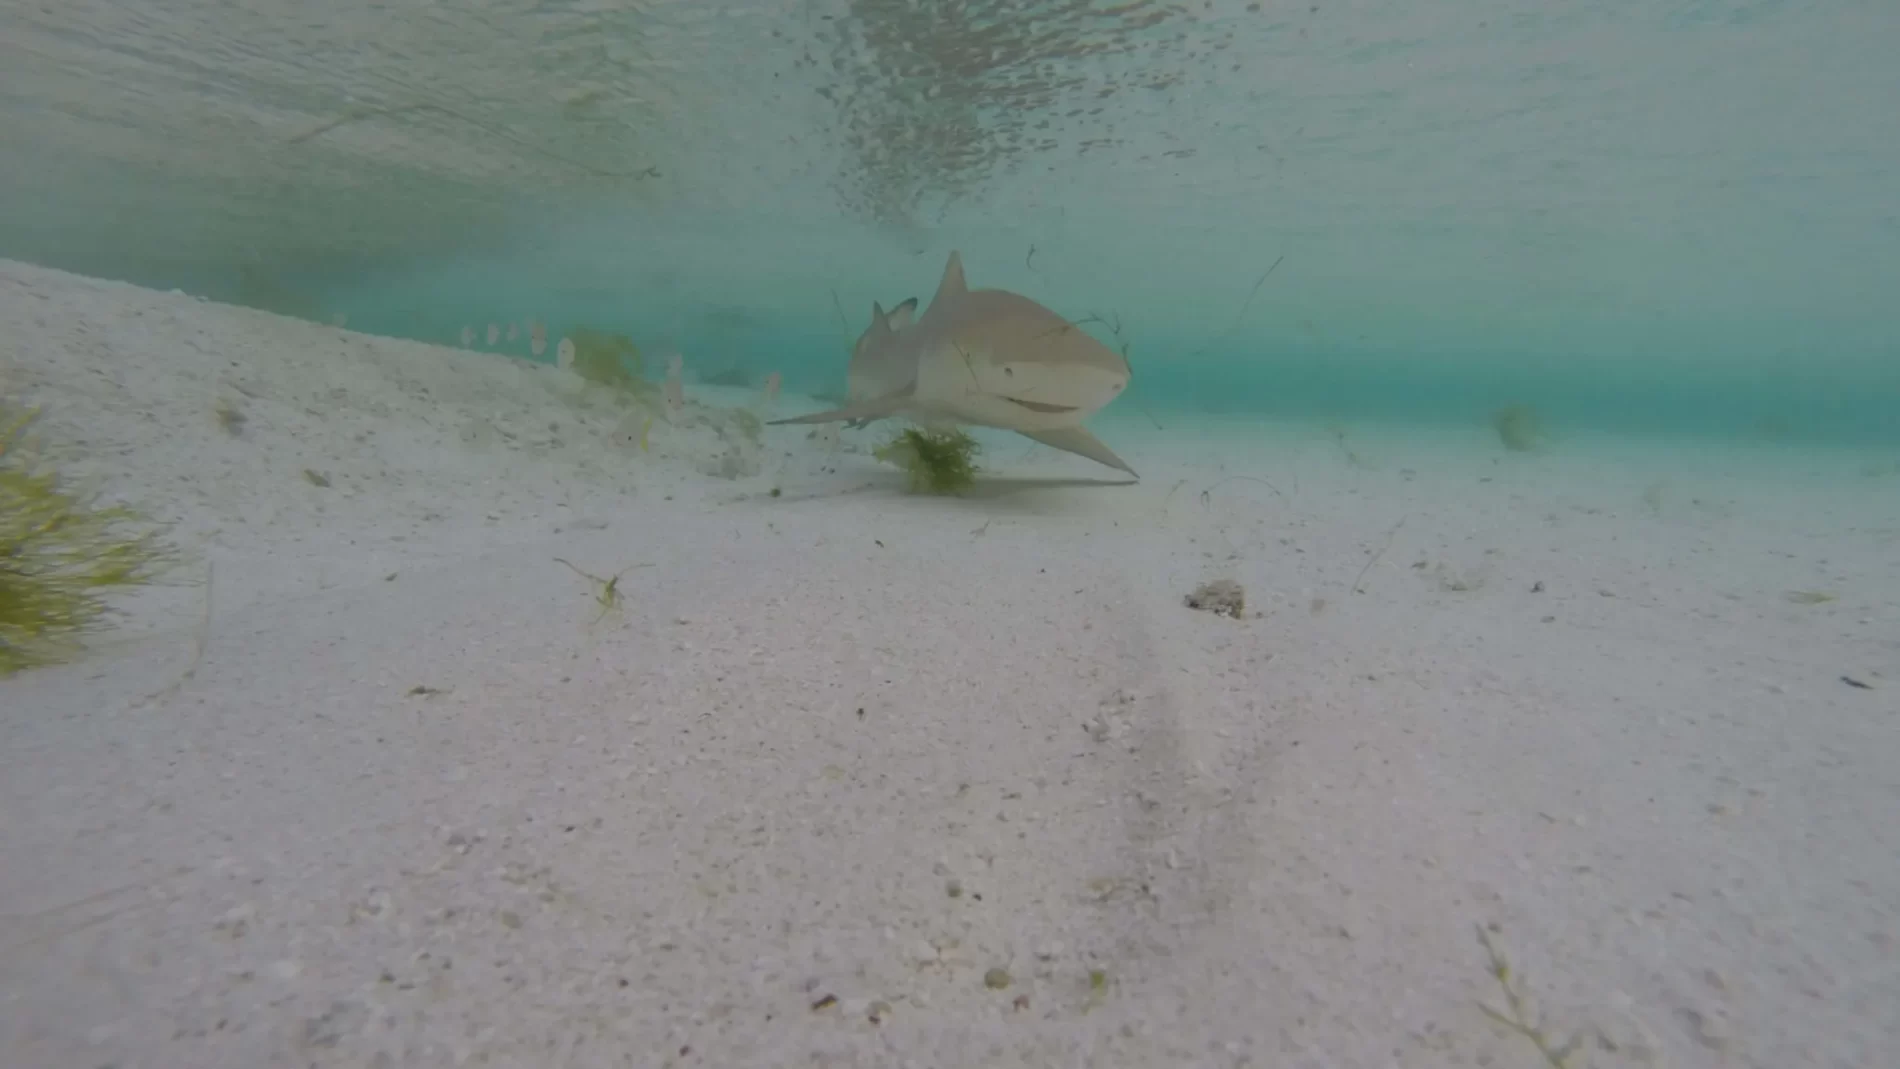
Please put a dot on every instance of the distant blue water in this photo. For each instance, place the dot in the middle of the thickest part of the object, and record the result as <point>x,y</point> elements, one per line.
<point>1674,219</point>
<point>1586,392</point>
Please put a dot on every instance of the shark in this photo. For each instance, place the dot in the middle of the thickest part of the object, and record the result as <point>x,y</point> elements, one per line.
<point>984,358</point>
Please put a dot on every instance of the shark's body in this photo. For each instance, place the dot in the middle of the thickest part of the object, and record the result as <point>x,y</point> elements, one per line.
<point>985,358</point>
<point>878,368</point>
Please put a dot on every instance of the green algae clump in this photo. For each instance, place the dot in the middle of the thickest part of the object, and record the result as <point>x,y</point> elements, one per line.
<point>610,360</point>
<point>1518,428</point>
<point>748,424</point>
<point>60,556</point>
<point>938,462</point>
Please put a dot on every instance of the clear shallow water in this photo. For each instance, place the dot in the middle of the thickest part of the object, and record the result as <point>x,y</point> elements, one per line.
<point>1676,218</point>
<point>1620,695</point>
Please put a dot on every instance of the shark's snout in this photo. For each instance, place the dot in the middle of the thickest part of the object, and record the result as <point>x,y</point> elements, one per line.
<point>1038,406</point>
<point>1050,389</point>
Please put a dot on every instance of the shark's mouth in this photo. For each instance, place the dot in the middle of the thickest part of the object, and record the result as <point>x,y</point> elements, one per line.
<point>1038,406</point>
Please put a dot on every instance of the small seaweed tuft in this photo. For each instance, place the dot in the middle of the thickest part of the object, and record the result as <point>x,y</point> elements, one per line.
<point>608,598</point>
<point>230,416</point>
<point>61,556</point>
<point>938,462</point>
<point>1518,1016</point>
<point>610,360</point>
<point>1518,428</point>
<point>748,424</point>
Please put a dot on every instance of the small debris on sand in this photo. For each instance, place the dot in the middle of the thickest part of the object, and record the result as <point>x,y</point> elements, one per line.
<point>1222,597</point>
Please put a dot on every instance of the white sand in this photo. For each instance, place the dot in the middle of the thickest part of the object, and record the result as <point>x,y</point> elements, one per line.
<point>863,746</point>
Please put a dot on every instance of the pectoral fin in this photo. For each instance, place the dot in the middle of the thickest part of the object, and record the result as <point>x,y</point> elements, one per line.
<point>1079,441</point>
<point>875,408</point>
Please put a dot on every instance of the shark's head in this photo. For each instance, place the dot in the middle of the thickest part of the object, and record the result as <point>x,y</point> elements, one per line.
<point>1018,363</point>
<point>1012,363</point>
<point>1071,375</point>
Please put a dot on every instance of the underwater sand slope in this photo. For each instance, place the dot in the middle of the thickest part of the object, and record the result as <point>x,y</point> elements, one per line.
<point>867,780</point>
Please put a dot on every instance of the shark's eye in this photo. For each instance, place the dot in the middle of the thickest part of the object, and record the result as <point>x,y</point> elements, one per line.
<point>1009,372</point>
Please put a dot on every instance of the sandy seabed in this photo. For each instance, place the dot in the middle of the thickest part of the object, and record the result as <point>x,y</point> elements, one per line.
<point>855,778</point>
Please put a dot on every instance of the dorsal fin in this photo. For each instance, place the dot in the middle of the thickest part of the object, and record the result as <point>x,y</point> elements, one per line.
<point>952,285</point>
<point>901,315</point>
<point>879,325</point>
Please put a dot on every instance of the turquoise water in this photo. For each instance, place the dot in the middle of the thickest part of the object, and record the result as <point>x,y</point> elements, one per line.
<point>687,740</point>
<point>1674,218</point>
